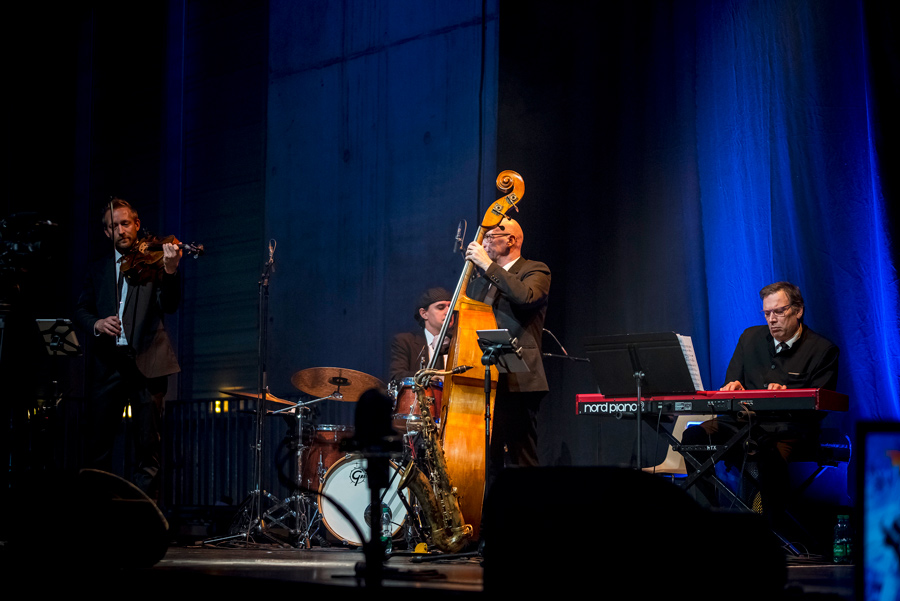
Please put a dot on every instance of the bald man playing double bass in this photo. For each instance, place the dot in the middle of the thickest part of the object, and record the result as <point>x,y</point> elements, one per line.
<point>517,289</point>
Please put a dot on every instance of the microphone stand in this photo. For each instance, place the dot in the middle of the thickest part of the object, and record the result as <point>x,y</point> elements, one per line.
<point>254,521</point>
<point>565,354</point>
<point>263,386</point>
<point>502,352</point>
<point>638,378</point>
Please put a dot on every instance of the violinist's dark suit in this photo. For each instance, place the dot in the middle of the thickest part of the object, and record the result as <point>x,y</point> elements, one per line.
<point>136,373</point>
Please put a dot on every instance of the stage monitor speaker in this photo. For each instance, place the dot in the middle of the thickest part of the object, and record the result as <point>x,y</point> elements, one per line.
<point>617,530</point>
<point>81,523</point>
<point>115,522</point>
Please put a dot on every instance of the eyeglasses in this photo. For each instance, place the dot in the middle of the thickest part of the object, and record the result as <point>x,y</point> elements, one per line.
<point>779,312</point>
<point>490,237</point>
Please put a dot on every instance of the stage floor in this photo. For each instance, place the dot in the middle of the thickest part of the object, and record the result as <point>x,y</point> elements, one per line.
<point>267,571</point>
<point>269,568</point>
<point>326,566</point>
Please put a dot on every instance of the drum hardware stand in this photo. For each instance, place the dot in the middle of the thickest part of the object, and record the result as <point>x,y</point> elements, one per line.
<point>413,523</point>
<point>298,506</point>
<point>413,532</point>
<point>412,529</point>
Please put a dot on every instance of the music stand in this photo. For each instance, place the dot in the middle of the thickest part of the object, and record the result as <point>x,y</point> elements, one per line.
<point>502,351</point>
<point>59,337</point>
<point>60,341</point>
<point>654,364</point>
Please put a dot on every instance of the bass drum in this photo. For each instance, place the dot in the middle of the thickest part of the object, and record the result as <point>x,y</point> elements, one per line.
<point>346,483</point>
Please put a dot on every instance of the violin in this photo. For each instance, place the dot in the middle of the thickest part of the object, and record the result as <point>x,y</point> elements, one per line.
<point>145,259</point>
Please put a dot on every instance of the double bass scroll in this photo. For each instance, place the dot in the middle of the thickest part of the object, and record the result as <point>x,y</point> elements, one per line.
<point>513,185</point>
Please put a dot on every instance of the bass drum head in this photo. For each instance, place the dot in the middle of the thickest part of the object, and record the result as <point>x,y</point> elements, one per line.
<point>346,483</point>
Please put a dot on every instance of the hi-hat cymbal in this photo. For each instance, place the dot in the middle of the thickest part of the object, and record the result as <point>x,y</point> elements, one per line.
<point>253,395</point>
<point>346,383</point>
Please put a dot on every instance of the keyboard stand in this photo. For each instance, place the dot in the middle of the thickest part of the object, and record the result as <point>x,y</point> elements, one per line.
<point>706,470</point>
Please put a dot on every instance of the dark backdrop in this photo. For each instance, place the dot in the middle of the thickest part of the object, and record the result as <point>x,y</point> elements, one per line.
<point>677,156</point>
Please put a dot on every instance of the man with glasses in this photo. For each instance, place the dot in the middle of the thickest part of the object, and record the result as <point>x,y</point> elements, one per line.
<point>517,289</point>
<point>784,353</point>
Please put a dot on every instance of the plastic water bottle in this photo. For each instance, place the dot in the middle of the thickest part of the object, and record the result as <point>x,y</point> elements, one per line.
<point>842,540</point>
<point>386,528</point>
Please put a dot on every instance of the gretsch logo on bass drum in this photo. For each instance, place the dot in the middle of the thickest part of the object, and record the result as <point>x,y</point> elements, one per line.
<point>357,476</point>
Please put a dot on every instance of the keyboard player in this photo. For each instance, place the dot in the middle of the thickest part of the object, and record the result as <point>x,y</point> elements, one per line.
<point>785,353</point>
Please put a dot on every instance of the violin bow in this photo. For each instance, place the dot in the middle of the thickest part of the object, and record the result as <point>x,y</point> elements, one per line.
<point>112,236</point>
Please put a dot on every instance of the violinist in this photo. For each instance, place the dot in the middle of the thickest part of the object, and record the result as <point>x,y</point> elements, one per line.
<point>130,355</point>
<point>517,289</point>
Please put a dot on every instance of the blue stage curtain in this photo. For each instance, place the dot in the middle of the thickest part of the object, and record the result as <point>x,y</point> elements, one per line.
<point>705,149</point>
<point>789,183</point>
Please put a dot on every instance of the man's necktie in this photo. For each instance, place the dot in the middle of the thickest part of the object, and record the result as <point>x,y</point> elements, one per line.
<point>439,363</point>
<point>119,284</point>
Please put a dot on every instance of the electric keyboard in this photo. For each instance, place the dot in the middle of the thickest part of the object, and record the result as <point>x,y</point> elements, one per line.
<point>717,402</point>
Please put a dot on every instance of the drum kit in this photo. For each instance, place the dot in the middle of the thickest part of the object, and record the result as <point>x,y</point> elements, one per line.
<point>330,479</point>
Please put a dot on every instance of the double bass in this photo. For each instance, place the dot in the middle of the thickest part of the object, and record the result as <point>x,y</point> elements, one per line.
<point>464,432</point>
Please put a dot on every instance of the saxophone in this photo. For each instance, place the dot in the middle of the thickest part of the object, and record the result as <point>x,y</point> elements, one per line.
<point>435,493</point>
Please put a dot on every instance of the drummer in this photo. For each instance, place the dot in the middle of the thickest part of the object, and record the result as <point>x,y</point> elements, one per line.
<point>410,351</point>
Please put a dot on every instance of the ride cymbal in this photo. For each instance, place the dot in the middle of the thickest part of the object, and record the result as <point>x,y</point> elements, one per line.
<point>346,384</point>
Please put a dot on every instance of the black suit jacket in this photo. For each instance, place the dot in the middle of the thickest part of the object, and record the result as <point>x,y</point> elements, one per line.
<point>407,350</point>
<point>812,362</point>
<point>142,320</point>
<point>520,307</point>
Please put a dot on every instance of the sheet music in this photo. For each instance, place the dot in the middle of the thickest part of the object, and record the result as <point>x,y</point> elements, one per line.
<point>687,348</point>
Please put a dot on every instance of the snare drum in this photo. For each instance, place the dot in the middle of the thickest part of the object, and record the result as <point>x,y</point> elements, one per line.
<point>406,406</point>
<point>322,451</point>
<point>346,484</point>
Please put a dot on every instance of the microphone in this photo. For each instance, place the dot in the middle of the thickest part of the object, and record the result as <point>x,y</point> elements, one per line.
<point>421,354</point>
<point>458,241</point>
<point>460,369</point>
<point>557,342</point>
